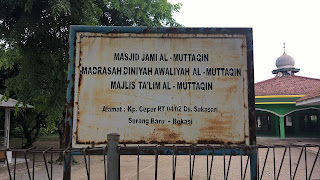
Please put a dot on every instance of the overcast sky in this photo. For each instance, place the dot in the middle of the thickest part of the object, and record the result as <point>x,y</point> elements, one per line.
<point>274,21</point>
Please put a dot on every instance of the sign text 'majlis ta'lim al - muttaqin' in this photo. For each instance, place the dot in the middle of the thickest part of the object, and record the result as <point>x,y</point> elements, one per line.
<point>154,89</point>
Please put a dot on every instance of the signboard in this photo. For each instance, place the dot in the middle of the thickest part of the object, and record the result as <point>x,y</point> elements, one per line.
<point>161,87</point>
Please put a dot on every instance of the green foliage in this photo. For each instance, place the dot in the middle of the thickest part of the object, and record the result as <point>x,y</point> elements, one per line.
<point>34,42</point>
<point>138,13</point>
<point>9,56</point>
<point>8,65</point>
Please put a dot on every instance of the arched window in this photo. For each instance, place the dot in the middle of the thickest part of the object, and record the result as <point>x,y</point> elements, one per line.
<point>309,121</point>
<point>263,122</point>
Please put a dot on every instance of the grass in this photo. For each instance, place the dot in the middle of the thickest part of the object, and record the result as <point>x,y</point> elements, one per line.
<point>50,137</point>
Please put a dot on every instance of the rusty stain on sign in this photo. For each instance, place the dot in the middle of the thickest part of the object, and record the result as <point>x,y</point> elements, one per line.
<point>161,88</point>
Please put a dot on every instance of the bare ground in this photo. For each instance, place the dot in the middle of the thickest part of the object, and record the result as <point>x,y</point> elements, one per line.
<point>165,164</point>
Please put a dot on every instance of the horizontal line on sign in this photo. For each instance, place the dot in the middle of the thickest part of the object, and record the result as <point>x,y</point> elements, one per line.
<point>280,96</point>
<point>275,103</point>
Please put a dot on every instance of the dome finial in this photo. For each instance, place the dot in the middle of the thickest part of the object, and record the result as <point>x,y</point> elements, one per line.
<point>284,47</point>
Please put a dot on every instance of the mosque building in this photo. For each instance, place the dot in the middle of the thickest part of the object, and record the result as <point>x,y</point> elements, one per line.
<point>288,105</point>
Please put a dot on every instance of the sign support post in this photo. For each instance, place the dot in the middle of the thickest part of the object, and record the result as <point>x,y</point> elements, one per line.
<point>253,164</point>
<point>113,171</point>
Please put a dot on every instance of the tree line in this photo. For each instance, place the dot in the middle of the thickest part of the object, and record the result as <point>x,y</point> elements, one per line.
<point>34,49</point>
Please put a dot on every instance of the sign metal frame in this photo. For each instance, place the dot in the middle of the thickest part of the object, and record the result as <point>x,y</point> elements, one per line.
<point>247,32</point>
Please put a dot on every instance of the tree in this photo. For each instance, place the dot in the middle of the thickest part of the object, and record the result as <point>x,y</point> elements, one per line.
<point>8,68</point>
<point>35,32</point>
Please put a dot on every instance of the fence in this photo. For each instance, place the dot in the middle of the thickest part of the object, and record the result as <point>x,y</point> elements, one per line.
<point>171,162</point>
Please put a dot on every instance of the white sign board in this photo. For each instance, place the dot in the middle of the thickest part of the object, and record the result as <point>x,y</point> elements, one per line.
<point>161,88</point>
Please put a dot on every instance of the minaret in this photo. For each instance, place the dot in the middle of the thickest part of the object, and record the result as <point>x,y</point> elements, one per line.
<point>285,65</point>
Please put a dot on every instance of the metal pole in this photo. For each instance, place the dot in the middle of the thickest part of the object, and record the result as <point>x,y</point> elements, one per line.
<point>7,134</point>
<point>7,128</point>
<point>253,164</point>
<point>113,157</point>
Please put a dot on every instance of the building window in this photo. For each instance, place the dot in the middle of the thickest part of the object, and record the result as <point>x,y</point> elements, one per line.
<point>310,121</point>
<point>289,121</point>
<point>263,122</point>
